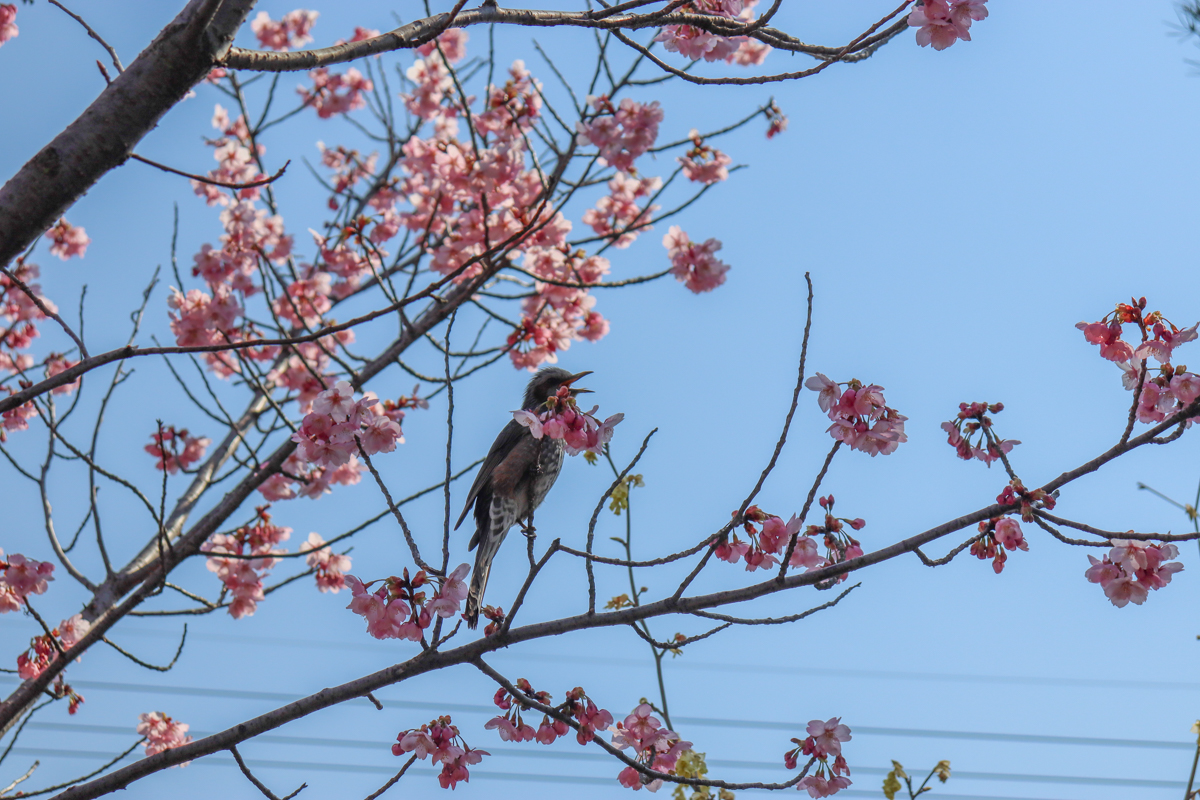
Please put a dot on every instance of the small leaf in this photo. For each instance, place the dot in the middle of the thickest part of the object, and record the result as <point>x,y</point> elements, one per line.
<point>942,770</point>
<point>891,785</point>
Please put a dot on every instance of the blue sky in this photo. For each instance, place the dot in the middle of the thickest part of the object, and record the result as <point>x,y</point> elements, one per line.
<point>959,213</point>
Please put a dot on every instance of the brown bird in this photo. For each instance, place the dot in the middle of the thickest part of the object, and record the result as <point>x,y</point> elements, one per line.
<point>513,481</point>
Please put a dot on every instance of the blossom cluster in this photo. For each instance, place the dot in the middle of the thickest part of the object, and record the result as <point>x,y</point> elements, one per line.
<point>21,577</point>
<point>8,27</point>
<point>512,728</point>
<point>1029,500</point>
<point>562,419</point>
<point>441,742</point>
<point>338,425</point>
<point>972,418</point>
<point>19,315</point>
<point>694,265</point>
<point>398,609</point>
<point>624,132</point>
<point>617,213</point>
<point>162,733</point>
<point>1131,569</point>
<point>176,449</point>
<point>1163,391</point>
<point>252,548</point>
<point>861,417</point>
<point>704,164</point>
<point>824,741</point>
<point>44,650</point>
<point>330,567</point>
<point>67,240</point>
<point>774,536</point>
<point>941,23</point>
<point>288,33</point>
<point>654,747</point>
<point>998,537</point>
<point>696,43</point>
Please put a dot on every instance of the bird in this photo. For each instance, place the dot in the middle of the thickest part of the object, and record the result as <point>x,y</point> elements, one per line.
<point>514,479</point>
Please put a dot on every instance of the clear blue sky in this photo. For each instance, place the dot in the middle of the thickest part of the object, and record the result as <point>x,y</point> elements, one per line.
<point>959,212</point>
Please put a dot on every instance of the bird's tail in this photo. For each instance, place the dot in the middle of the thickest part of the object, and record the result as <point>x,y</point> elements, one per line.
<point>489,545</point>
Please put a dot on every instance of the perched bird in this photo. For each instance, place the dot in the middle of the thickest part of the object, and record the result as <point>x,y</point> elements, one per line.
<point>513,481</point>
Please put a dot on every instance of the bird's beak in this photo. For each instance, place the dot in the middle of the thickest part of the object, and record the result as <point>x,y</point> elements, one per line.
<point>574,378</point>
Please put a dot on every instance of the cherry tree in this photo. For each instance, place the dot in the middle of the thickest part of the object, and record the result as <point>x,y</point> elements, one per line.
<point>501,198</point>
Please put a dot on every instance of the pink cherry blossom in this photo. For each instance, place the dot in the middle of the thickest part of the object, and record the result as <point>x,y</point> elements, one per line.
<point>71,630</point>
<point>337,92</point>
<point>68,240</point>
<point>694,265</point>
<point>452,592</point>
<point>25,576</point>
<point>625,135</point>
<point>941,23</point>
<point>452,42</point>
<point>825,738</point>
<point>1131,569</point>
<point>176,449</point>
<point>289,33</point>
<point>162,733</point>
<point>703,164</point>
<point>330,566</point>
<point>242,576</point>
<point>8,28</point>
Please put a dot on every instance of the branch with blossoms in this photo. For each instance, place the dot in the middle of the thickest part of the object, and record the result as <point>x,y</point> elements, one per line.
<point>401,609</point>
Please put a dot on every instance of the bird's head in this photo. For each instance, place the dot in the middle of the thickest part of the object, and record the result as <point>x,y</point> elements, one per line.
<point>546,383</point>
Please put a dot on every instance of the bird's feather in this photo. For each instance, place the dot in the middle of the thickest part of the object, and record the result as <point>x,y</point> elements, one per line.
<point>505,442</point>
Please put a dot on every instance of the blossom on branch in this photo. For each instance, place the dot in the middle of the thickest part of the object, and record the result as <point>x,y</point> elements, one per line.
<point>289,33</point>
<point>861,418</point>
<point>623,133</point>
<point>941,23</point>
<point>165,446</point>
<point>562,419</point>
<point>21,577</point>
<point>162,733</point>
<point>441,742</point>
<point>8,27</point>
<point>252,546</point>
<point>824,740</point>
<point>1133,568</point>
<point>398,609</point>
<point>704,164</point>
<point>68,240</point>
<point>696,43</point>
<point>972,419</point>
<point>330,566</point>
<point>654,747</point>
<point>694,265</point>
<point>339,425</point>
<point>1000,536</point>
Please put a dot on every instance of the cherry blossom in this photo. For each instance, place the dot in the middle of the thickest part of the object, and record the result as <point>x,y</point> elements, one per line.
<point>336,92</point>
<point>8,28</point>
<point>453,591</point>
<point>693,264</point>
<point>696,43</point>
<point>1131,569</point>
<point>34,661</point>
<point>562,419</point>
<point>824,740</point>
<point>452,43</point>
<point>68,240</point>
<point>56,363</point>
<point>441,742</point>
<point>330,566</point>
<point>252,546</point>
<point>165,446</point>
<point>777,121</point>
<point>861,419</point>
<point>21,577</point>
<point>972,419</point>
<point>71,630</point>
<point>704,164</point>
<point>330,438</point>
<point>654,746</point>
<point>618,211</point>
<point>1000,536</point>
<point>941,23</point>
<point>162,733</point>
<point>289,33</point>
<point>623,133</point>
<point>396,610</point>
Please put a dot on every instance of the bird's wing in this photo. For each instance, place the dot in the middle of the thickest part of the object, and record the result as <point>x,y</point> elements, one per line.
<point>505,442</point>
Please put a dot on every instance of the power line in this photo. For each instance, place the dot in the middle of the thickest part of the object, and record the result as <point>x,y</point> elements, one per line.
<point>588,754</point>
<point>711,666</point>
<point>481,774</point>
<point>710,722</point>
